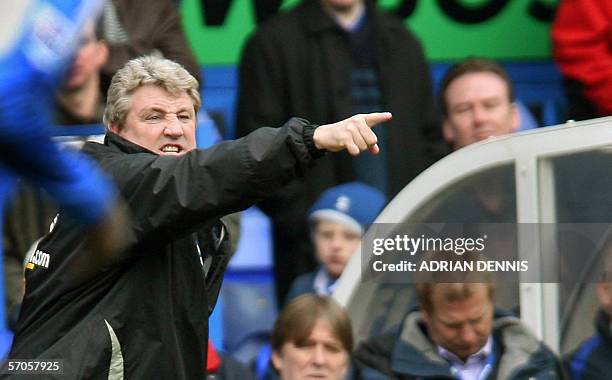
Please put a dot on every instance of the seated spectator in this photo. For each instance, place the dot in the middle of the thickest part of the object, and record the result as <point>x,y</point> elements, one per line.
<point>457,333</point>
<point>312,338</point>
<point>37,43</point>
<point>338,219</point>
<point>477,102</point>
<point>30,211</point>
<point>592,360</point>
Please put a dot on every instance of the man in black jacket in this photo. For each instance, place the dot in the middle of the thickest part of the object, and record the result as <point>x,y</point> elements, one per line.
<point>326,60</point>
<point>144,315</point>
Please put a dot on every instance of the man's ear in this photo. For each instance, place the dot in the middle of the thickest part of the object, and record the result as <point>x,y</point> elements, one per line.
<point>516,117</point>
<point>113,127</point>
<point>276,360</point>
<point>604,294</point>
<point>425,315</point>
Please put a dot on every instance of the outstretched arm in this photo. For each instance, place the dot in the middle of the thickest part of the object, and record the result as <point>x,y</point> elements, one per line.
<point>203,185</point>
<point>353,134</point>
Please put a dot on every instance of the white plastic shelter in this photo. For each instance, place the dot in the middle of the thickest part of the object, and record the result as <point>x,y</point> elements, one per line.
<point>553,175</point>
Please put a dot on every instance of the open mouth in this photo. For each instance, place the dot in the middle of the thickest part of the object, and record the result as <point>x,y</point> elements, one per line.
<point>171,149</point>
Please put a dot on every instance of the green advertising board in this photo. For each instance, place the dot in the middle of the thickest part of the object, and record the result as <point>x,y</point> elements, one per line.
<point>448,29</point>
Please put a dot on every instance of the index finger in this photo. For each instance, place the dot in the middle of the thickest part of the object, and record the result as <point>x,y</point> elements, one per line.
<point>372,119</point>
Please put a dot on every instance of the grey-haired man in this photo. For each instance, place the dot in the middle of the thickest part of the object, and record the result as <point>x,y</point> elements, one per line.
<point>144,315</point>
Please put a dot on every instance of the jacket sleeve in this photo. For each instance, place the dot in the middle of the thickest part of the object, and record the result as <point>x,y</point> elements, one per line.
<point>261,95</point>
<point>170,197</point>
<point>582,43</point>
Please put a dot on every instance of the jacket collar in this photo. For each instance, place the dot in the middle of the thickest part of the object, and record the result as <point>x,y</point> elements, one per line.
<point>415,354</point>
<point>114,140</point>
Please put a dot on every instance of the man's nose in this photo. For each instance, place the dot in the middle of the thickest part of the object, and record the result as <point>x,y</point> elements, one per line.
<point>319,355</point>
<point>173,127</point>
<point>468,335</point>
<point>479,114</point>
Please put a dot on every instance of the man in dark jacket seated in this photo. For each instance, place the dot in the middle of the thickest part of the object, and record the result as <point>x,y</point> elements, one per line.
<point>593,359</point>
<point>457,334</point>
<point>144,314</point>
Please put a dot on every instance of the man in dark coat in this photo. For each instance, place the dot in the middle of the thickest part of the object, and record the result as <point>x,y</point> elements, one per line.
<point>326,60</point>
<point>144,314</point>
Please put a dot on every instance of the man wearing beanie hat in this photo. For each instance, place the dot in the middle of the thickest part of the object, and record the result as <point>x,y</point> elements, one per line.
<point>338,219</point>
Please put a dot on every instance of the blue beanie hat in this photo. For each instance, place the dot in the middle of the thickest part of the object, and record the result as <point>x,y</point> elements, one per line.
<point>353,204</point>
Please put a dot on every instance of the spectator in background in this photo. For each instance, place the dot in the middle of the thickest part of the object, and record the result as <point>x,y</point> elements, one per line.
<point>582,47</point>
<point>133,28</point>
<point>80,100</point>
<point>33,57</point>
<point>338,220</point>
<point>457,333</point>
<point>592,359</point>
<point>312,338</point>
<point>477,102</point>
<point>29,214</point>
<point>325,60</point>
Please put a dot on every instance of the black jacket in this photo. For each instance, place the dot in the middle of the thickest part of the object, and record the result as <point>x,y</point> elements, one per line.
<point>593,359</point>
<point>299,63</point>
<point>145,316</point>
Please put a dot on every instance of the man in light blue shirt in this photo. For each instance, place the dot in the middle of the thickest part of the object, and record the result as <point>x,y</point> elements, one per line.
<point>476,366</point>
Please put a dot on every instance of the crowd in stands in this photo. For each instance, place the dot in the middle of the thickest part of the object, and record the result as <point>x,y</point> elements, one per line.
<point>321,62</point>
